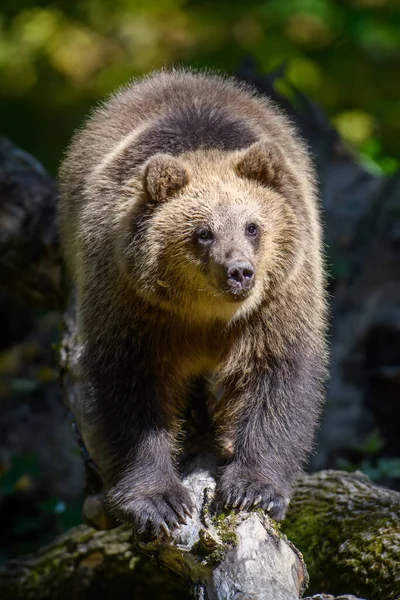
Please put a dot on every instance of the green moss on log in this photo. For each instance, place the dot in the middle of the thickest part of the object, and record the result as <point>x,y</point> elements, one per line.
<point>348,530</point>
<point>89,565</point>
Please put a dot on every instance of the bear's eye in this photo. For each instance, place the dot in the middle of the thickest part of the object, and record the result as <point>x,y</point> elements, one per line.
<point>251,229</point>
<point>204,235</point>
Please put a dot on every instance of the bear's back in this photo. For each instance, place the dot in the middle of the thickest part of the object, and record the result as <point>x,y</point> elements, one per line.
<point>174,112</point>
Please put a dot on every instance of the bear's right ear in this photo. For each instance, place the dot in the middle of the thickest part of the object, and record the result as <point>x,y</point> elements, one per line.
<point>164,176</point>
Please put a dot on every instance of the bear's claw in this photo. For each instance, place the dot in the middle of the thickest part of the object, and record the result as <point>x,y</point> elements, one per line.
<point>157,514</point>
<point>245,491</point>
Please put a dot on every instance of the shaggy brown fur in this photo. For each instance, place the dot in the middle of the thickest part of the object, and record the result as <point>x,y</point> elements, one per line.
<point>190,226</point>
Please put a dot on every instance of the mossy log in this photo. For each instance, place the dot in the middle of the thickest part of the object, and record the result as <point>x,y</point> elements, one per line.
<point>349,532</point>
<point>89,564</point>
<point>347,527</point>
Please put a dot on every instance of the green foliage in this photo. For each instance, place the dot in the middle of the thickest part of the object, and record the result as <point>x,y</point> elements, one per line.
<point>22,470</point>
<point>59,58</point>
<point>66,515</point>
<point>31,520</point>
<point>385,468</point>
<point>373,157</point>
<point>368,459</point>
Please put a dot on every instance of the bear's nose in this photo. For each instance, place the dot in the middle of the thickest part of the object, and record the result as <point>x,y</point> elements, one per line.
<point>240,276</point>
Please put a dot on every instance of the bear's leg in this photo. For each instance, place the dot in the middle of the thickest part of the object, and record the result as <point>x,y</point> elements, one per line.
<point>149,492</point>
<point>130,428</point>
<point>267,426</point>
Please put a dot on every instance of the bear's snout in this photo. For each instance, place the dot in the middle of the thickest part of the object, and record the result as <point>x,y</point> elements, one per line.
<point>236,278</point>
<point>240,276</point>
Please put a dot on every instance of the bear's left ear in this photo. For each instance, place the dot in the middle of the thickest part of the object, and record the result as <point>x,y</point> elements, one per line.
<point>265,163</point>
<point>164,176</point>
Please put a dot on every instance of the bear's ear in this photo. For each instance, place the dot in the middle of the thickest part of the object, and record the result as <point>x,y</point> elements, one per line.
<point>164,176</point>
<point>263,162</point>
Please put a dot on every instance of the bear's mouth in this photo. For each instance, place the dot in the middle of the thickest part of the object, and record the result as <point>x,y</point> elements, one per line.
<point>235,296</point>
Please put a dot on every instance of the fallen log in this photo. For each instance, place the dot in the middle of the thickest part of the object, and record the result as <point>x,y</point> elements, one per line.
<point>347,527</point>
<point>349,532</point>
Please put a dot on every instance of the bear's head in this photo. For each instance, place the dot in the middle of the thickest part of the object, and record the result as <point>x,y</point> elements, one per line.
<point>211,234</point>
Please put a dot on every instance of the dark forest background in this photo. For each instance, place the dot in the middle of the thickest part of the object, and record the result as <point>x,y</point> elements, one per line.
<point>57,59</point>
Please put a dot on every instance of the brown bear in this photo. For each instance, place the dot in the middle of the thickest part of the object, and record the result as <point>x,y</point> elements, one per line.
<point>191,230</point>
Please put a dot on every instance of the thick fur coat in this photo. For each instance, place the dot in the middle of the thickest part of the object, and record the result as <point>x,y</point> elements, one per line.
<point>191,230</point>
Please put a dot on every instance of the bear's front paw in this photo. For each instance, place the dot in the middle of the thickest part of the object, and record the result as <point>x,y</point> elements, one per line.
<point>243,489</point>
<point>156,513</point>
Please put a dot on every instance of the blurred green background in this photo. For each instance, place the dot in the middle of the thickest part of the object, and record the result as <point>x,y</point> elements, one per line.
<point>59,58</point>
